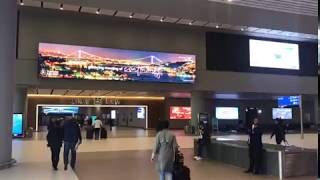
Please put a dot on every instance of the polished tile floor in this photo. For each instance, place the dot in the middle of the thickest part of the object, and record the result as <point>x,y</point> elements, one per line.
<point>134,146</point>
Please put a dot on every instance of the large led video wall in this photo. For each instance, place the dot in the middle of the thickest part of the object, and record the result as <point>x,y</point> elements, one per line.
<point>58,61</point>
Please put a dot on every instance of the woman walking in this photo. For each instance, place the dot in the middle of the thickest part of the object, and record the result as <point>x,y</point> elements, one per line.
<point>54,138</point>
<point>164,151</point>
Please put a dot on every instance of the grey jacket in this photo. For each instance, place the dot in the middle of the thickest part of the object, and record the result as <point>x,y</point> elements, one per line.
<point>165,147</point>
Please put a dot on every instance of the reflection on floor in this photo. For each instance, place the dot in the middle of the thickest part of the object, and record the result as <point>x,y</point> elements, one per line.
<point>133,144</point>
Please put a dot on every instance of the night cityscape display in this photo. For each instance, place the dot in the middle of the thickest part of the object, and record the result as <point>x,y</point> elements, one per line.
<point>81,62</point>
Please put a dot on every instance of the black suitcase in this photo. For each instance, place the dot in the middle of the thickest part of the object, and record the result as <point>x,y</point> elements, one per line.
<point>181,173</point>
<point>103,133</point>
<point>90,132</point>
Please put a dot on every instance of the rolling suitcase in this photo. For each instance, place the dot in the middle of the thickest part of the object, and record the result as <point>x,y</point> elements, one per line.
<point>103,134</point>
<point>89,134</point>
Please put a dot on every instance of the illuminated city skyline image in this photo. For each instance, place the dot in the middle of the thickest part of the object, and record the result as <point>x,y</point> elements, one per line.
<point>92,63</point>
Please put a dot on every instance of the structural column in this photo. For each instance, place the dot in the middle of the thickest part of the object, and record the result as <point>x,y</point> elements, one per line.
<point>20,102</point>
<point>198,105</point>
<point>8,19</point>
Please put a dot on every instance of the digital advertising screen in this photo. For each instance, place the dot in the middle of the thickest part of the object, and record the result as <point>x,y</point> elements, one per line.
<point>60,61</point>
<point>17,125</point>
<point>230,113</point>
<point>180,113</point>
<point>268,54</point>
<point>282,113</point>
<point>288,101</point>
<point>113,114</point>
<point>60,110</point>
<point>141,113</point>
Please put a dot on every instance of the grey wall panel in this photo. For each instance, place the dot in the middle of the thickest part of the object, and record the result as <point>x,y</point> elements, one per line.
<point>42,25</point>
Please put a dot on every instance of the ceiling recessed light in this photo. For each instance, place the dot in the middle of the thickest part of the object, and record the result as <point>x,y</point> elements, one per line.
<point>21,2</point>
<point>242,29</point>
<point>61,7</point>
<point>162,19</point>
<point>190,23</point>
<point>131,16</point>
<point>217,26</point>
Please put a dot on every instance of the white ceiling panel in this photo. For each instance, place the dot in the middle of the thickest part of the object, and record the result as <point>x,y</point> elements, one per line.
<point>123,14</point>
<point>31,3</point>
<point>44,91</point>
<point>73,92</point>
<point>170,20</point>
<point>87,92</point>
<point>51,5</point>
<point>154,18</point>
<point>91,10</point>
<point>199,23</point>
<point>262,30</point>
<point>69,7</point>
<point>184,21</point>
<point>304,7</point>
<point>59,91</point>
<point>140,16</point>
<point>107,12</point>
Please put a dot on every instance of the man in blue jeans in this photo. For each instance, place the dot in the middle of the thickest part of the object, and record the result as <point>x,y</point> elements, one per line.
<point>72,137</point>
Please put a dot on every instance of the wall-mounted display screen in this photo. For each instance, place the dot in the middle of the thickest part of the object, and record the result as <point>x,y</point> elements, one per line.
<point>268,54</point>
<point>60,110</point>
<point>180,112</point>
<point>227,113</point>
<point>141,113</point>
<point>92,63</point>
<point>288,101</point>
<point>282,113</point>
<point>113,114</point>
<point>17,125</point>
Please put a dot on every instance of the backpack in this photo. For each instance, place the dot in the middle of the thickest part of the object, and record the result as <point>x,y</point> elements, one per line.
<point>180,171</point>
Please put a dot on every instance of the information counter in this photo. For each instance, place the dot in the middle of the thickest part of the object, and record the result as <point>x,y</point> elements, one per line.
<point>277,160</point>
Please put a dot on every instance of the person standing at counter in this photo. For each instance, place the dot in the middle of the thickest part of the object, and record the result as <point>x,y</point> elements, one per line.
<point>204,139</point>
<point>279,132</point>
<point>255,147</point>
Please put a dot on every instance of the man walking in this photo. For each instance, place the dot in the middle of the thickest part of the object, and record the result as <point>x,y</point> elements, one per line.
<point>72,138</point>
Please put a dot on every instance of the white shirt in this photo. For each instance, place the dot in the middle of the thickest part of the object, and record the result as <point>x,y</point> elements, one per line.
<point>98,123</point>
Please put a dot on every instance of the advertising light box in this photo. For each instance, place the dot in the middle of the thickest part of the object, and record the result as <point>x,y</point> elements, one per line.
<point>141,113</point>
<point>180,113</point>
<point>60,61</point>
<point>17,125</point>
<point>282,113</point>
<point>60,110</point>
<point>268,54</point>
<point>230,113</point>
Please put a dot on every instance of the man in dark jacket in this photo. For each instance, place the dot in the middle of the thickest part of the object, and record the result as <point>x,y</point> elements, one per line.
<point>255,147</point>
<point>204,139</point>
<point>72,138</point>
<point>279,132</point>
<point>54,138</point>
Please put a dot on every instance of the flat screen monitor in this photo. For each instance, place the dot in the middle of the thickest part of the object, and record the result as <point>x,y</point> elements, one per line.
<point>288,101</point>
<point>93,118</point>
<point>228,113</point>
<point>59,61</point>
<point>113,114</point>
<point>282,113</point>
<point>60,110</point>
<point>141,113</point>
<point>268,54</point>
<point>17,125</point>
<point>180,113</point>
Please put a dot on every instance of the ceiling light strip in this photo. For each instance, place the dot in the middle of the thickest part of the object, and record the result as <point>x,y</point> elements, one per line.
<point>93,97</point>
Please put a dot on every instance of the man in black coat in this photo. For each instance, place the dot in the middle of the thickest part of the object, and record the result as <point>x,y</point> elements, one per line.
<point>54,138</point>
<point>255,147</point>
<point>72,138</point>
<point>279,131</point>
